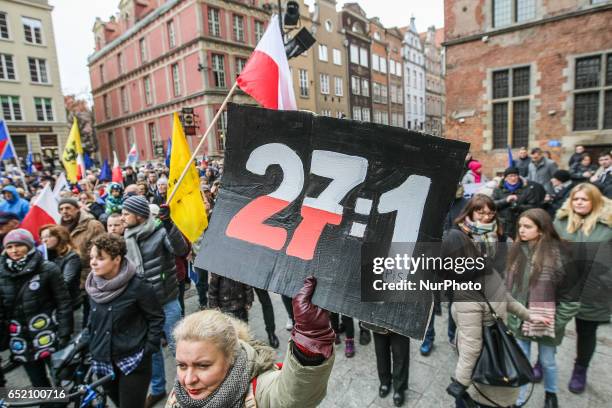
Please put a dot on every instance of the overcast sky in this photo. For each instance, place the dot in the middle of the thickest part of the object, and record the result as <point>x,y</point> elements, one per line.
<point>73,21</point>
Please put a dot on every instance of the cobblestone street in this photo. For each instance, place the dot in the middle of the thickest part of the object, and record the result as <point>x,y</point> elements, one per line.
<point>354,382</point>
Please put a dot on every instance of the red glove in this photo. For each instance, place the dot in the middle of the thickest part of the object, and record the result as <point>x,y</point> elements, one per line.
<point>312,332</point>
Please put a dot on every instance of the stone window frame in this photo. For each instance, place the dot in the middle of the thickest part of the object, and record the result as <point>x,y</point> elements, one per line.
<point>17,113</point>
<point>42,72</point>
<point>31,24</point>
<point>303,82</point>
<point>5,27</point>
<point>603,88</point>
<point>4,67</point>
<point>514,13</point>
<point>218,70</point>
<point>324,84</point>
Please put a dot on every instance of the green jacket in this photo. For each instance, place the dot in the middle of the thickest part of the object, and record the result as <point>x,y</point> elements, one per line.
<point>599,278</point>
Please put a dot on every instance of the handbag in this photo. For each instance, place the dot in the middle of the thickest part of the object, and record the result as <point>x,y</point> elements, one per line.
<point>502,362</point>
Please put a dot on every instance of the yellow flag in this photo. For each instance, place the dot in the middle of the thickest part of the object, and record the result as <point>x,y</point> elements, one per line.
<point>187,208</point>
<point>71,152</point>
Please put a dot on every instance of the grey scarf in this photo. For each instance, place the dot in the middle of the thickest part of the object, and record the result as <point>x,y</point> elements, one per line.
<point>132,236</point>
<point>230,394</point>
<point>104,290</point>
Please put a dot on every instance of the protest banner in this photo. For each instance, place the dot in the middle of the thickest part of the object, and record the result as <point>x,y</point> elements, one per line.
<point>301,194</point>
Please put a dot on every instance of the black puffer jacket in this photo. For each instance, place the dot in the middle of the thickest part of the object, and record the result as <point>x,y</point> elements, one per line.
<point>227,294</point>
<point>131,322</point>
<point>158,250</point>
<point>35,309</point>
<point>507,213</point>
<point>70,267</point>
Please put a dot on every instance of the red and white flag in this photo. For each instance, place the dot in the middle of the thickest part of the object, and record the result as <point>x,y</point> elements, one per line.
<point>43,212</point>
<point>117,174</point>
<point>266,75</point>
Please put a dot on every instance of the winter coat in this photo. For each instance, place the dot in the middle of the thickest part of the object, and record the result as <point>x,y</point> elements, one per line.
<point>85,231</point>
<point>16,204</point>
<point>523,166</point>
<point>471,314</point>
<point>577,169</point>
<point>470,178</point>
<point>158,251</point>
<point>35,309</point>
<point>227,294</point>
<point>558,198</point>
<point>595,301</point>
<point>294,385</point>
<point>129,179</point>
<point>507,212</point>
<point>604,182</point>
<point>542,172</point>
<point>70,266</point>
<point>131,322</point>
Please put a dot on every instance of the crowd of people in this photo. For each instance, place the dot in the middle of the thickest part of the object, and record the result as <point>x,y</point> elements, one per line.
<point>117,267</point>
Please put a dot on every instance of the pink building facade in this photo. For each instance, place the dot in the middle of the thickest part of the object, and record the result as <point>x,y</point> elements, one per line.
<point>157,57</point>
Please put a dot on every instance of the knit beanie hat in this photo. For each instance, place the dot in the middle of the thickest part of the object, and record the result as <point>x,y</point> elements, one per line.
<point>562,175</point>
<point>474,165</point>
<point>19,236</point>
<point>137,205</point>
<point>68,200</point>
<point>511,170</point>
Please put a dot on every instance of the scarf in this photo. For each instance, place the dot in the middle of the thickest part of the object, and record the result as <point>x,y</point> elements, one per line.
<point>484,235</point>
<point>230,394</point>
<point>105,290</point>
<point>477,177</point>
<point>513,187</point>
<point>20,264</point>
<point>132,236</point>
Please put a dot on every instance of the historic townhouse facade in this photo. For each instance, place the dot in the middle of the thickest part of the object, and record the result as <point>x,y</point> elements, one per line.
<point>434,81</point>
<point>414,78</point>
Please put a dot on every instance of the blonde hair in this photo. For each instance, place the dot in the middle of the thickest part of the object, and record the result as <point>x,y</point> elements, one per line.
<point>576,222</point>
<point>213,326</point>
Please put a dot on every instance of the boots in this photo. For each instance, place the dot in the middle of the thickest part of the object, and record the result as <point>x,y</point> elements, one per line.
<point>273,340</point>
<point>578,381</point>
<point>551,400</point>
<point>349,348</point>
<point>537,372</point>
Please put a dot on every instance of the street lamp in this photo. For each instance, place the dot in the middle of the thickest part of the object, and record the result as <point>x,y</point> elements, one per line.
<point>303,40</point>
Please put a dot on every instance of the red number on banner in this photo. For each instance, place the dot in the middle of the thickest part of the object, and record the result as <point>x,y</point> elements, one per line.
<point>346,173</point>
<point>248,224</point>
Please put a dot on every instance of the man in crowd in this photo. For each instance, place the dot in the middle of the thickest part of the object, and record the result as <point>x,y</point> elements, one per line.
<point>577,156</point>
<point>603,176</point>
<point>162,190</point>
<point>14,203</point>
<point>114,225</point>
<point>513,196</point>
<point>8,222</point>
<point>541,169</point>
<point>152,247</point>
<point>130,176</point>
<point>152,181</point>
<point>522,163</point>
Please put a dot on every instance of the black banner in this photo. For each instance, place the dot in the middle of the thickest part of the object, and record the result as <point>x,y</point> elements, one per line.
<point>302,193</point>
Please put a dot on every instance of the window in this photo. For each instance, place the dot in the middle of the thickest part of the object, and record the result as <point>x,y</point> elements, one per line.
<point>338,86</point>
<point>152,135</point>
<point>355,85</point>
<point>365,114</point>
<point>375,62</point>
<point>325,112</point>
<point>106,106</point>
<point>7,68</point>
<point>510,90</point>
<point>365,87</point>
<point>176,79</point>
<point>101,68</point>
<point>147,90</point>
<point>38,70</point>
<point>356,113</point>
<point>363,57</point>
<point>218,67</point>
<point>383,94</point>
<point>238,28</point>
<point>383,65</point>
<point>506,12</point>
<point>214,22</point>
<point>337,57</point>
<point>11,107</point>
<point>391,66</point>
<point>303,83</point>
<point>171,34</point>
<point>259,30</point>
<point>124,99</point>
<point>354,54</point>
<point>393,93</point>
<point>32,30</point>
<point>44,109</point>
<point>384,118</point>
<point>593,93</point>
<point>376,92</point>
<point>324,79</point>
<point>240,64</point>
<point>120,67</point>
<point>329,26</point>
<point>4,33</point>
<point>322,52</point>
<point>143,50</point>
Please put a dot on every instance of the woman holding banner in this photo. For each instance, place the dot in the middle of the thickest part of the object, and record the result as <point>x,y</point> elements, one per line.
<point>220,365</point>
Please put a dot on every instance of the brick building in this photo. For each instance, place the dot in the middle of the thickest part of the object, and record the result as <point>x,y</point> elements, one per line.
<point>158,56</point>
<point>527,72</point>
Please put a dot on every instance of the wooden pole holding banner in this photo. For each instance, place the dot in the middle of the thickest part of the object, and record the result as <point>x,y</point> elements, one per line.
<point>199,146</point>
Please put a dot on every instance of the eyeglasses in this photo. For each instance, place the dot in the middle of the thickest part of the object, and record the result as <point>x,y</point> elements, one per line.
<point>485,213</point>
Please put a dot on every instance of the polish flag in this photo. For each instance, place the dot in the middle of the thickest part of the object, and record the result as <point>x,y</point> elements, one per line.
<point>266,76</point>
<point>117,174</point>
<point>43,212</point>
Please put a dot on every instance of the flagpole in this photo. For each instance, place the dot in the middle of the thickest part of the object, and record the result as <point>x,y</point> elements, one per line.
<point>199,146</point>
<point>10,139</point>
